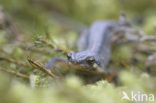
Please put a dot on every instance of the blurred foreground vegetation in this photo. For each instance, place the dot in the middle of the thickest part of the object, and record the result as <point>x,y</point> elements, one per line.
<point>32,20</point>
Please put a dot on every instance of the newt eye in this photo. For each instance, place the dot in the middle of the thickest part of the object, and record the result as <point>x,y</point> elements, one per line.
<point>90,60</point>
<point>69,55</point>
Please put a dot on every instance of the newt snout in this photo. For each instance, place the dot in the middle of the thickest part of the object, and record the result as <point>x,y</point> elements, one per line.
<point>83,58</point>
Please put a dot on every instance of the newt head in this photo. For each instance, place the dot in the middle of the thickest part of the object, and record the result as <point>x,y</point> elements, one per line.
<point>83,58</point>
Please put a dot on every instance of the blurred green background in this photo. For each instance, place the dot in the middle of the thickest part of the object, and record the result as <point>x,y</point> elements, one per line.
<point>60,21</point>
<point>36,13</point>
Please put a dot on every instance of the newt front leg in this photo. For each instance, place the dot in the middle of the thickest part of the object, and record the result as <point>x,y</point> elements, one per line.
<point>55,61</point>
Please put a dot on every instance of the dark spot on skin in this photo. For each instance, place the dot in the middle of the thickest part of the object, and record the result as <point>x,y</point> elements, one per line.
<point>69,55</point>
<point>90,60</point>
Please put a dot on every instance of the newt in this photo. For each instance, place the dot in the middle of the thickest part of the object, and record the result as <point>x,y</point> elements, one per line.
<point>94,46</point>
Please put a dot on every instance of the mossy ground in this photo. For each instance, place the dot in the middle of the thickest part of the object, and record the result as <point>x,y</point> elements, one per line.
<point>35,19</point>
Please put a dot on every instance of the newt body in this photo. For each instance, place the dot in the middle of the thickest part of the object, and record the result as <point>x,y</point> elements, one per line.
<point>93,46</point>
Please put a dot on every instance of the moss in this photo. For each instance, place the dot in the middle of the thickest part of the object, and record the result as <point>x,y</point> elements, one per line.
<point>33,20</point>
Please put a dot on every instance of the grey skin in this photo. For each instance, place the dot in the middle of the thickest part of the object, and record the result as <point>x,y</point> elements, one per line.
<point>93,46</point>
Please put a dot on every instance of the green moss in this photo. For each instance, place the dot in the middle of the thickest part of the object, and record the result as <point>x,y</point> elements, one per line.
<point>150,25</point>
<point>33,20</point>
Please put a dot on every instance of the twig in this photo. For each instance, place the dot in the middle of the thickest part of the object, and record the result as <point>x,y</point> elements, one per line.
<point>13,61</point>
<point>131,36</point>
<point>41,68</point>
<point>36,50</point>
<point>148,38</point>
<point>58,49</point>
<point>15,73</point>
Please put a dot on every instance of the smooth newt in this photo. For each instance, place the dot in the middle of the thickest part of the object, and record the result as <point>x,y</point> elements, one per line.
<point>93,46</point>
